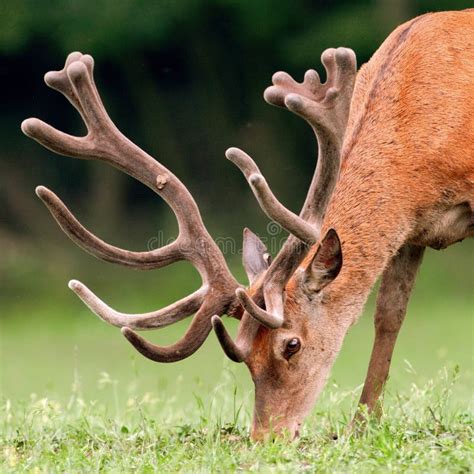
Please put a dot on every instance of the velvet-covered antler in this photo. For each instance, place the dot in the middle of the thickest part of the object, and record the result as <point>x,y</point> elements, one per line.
<point>325,106</point>
<point>105,142</point>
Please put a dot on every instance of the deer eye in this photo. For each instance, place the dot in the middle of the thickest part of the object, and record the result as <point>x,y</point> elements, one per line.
<point>292,347</point>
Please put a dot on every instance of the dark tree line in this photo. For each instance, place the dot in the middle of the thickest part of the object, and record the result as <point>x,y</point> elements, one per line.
<point>184,80</point>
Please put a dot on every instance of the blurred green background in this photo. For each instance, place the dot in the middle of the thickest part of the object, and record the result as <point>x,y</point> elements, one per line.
<point>184,80</point>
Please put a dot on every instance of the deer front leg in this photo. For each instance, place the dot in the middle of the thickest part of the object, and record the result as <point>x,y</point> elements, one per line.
<point>396,285</point>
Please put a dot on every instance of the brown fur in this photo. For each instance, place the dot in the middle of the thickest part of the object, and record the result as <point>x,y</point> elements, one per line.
<point>407,178</point>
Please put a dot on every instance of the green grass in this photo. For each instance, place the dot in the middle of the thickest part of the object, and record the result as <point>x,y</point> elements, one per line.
<point>421,433</point>
<point>77,397</point>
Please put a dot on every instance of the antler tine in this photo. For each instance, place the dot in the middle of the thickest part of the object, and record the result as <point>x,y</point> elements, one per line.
<point>97,247</point>
<point>152,320</point>
<point>193,339</point>
<point>272,317</point>
<point>230,348</point>
<point>59,80</point>
<point>185,347</point>
<point>267,200</point>
<point>106,143</point>
<point>239,350</point>
<point>311,99</point>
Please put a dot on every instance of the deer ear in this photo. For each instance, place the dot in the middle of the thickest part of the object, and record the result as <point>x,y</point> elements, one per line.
<point>255,256</point>
<point>326,264</point>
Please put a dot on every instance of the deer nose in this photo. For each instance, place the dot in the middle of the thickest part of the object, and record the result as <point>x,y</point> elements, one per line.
<point>263,433</point>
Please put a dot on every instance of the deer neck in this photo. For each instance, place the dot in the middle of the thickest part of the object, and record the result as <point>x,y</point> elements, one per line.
<point>372,226</point>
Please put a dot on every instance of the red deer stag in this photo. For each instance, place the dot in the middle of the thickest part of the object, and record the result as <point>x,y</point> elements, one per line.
<point>404,136</point>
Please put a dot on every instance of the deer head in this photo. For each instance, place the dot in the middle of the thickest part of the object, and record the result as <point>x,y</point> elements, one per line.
<point>285,335</point>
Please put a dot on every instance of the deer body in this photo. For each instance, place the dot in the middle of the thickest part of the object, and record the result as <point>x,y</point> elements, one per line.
<point>396,148</point>
<point>407,173</point>
<point>408,149</point>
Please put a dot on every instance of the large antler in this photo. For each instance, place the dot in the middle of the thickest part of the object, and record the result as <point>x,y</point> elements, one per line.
<point>106,143</point>
<point>326,108</point>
